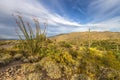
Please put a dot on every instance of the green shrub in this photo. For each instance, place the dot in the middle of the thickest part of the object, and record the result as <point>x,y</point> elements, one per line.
<point>110,60</point>
<point>64,58</point>
<point>65,44</point>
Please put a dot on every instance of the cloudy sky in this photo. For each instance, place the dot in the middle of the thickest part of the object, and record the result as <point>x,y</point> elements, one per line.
<point>63,16</point>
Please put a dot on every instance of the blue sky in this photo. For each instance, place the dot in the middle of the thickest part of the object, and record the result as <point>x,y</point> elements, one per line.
<point>63,16</point>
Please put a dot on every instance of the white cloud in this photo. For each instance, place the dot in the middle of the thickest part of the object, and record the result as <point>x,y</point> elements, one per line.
<point>104,15</point>
<point>34,8</point>
<point>112,24</point>
<point>103,9</point>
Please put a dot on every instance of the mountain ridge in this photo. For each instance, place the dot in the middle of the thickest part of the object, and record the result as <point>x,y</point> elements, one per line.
<point>94,35</point>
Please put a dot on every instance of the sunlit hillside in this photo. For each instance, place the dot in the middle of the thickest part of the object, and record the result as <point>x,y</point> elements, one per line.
<point>105,35</point>
<point>62,57</point>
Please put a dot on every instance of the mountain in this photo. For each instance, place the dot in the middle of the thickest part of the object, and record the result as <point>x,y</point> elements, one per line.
<point>85,36</point>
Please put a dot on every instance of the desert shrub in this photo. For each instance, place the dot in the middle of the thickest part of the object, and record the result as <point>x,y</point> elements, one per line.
<point>65,44</point>
<point>31,71</point>
<point>51,67</point>
<point>110,60</point>
<point>117,55</point>
<point>4,51</point>
<point>30,41</point>
<point>108,74</point>
<point>75,51</point>
<point>6,58</point>
<point>67,71</point>
<point>105,44</point>
<point>96,53</point>
<point>31,67</point>
<point>51,50</point>
<point>64,58</point>
<point>2,43</point>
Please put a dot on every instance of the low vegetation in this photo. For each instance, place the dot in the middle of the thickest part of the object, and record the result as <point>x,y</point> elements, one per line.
<point>37,57</point>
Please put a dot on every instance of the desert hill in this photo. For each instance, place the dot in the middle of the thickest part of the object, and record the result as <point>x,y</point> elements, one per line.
<point>62,58</point>
<point>85,36</point>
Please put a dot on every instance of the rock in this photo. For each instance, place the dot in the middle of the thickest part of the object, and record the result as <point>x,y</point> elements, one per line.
<point>17,56</point>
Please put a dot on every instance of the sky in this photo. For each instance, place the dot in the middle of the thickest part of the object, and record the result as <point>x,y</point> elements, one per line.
<point>63,16</point>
